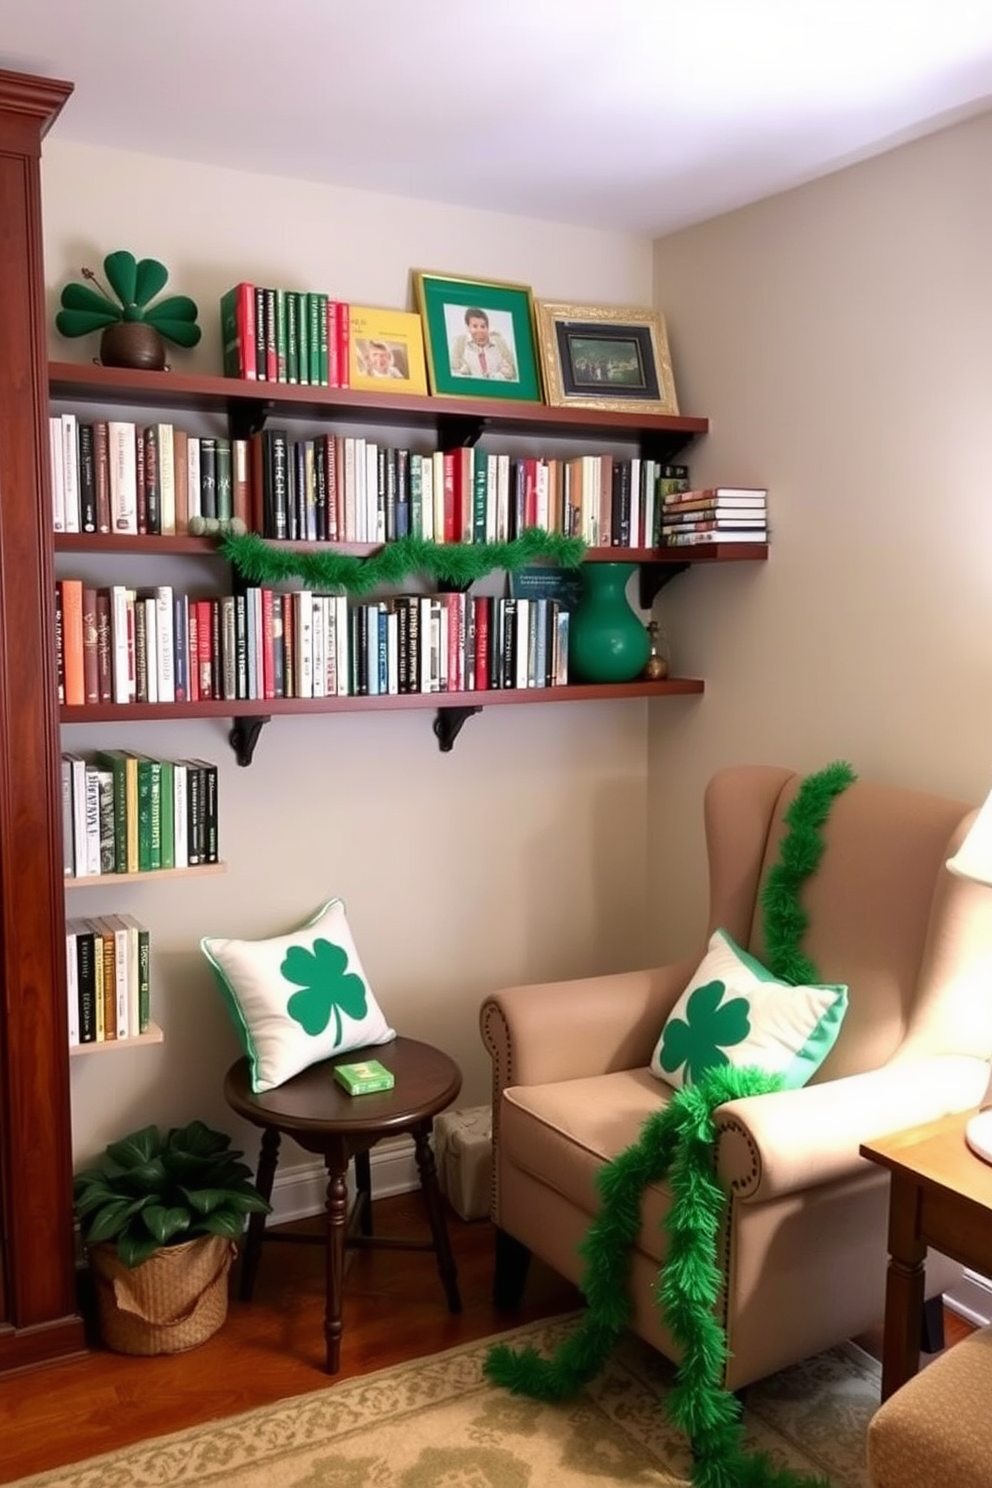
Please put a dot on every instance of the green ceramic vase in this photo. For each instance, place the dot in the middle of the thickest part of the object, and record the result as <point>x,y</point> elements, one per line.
<point>606,640</point>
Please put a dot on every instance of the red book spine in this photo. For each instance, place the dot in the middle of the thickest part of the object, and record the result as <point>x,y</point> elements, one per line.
<point>245,312</point>
<point>451,527</point>
<point>343,344</point>
<point>204,647</point>
<point>71,591</point>
<point>193,652</point>
<point>483,606</point>
<point>268,658</point>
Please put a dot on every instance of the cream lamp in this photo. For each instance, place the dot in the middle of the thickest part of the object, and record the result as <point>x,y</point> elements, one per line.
<point>973,860</point>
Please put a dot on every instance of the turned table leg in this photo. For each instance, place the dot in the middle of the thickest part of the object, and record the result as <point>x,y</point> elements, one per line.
<point>904,1287</point>
<point>337,1224</point>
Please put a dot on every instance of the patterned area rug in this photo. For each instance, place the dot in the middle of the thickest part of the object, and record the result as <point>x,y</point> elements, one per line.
<point>436,1423</point>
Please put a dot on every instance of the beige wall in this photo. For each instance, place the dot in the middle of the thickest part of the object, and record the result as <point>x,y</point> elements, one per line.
<point>518,856</point>
<point>838,337</point>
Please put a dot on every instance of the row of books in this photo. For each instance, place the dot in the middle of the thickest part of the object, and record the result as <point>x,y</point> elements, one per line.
<point>170,647</point>
<point>129,813</point>
<point>714,514</point>
<point>116,476</point>
<point>345,489</point>
<point>285,335</point>
<point>108,976</point>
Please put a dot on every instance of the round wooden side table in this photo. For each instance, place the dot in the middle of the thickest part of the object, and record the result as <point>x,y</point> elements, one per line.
<point>323,1118</point>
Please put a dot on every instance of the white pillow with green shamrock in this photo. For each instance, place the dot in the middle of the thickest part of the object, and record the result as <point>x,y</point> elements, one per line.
<point>297,998</point>
<point>734,1011</point>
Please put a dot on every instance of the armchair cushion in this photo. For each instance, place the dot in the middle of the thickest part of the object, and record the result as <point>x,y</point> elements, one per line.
<point>734,1011</point>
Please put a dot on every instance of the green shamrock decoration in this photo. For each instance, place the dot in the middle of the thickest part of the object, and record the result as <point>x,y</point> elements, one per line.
<point>698,1040</point>
<point>135,285</point>
<point>327,988</point>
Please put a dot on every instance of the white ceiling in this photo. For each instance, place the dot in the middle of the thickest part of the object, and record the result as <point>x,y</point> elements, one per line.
<point>638,115</point>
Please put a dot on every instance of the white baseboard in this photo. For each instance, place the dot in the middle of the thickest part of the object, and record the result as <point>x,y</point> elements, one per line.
<point>972,1298</point>
<point>301,1191</point>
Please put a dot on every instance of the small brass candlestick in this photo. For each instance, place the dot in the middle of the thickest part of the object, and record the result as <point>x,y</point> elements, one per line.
<point>656,666</point>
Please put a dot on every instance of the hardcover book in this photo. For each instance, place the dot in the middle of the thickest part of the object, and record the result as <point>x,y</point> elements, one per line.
<point>364,1077</point>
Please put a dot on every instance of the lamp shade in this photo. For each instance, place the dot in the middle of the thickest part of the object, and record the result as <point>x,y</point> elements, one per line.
<point>973,858</point>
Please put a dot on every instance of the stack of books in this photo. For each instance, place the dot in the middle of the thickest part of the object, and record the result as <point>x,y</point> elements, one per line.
<point>715,514</point>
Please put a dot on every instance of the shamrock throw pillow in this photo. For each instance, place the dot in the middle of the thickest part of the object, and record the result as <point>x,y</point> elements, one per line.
<point>734,1011</point>
<point>297,998</point>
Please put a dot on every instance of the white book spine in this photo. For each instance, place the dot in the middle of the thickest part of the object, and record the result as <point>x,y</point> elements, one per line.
<point>521,659</point>
<point>438,486</point>
<point>319,641</point>
<point>57,457</point>
<point>119,643</point>
<point>303,603</point>
<point>151,646</point>
<point>71,986</point>
<point>167,479</point>
<point>123,476</point>
<point>92,792</point>
<point>165,642</point>
<point>342,628</point>
<point>70,471</point>
<point>427,495</point>
<point>193,476</point>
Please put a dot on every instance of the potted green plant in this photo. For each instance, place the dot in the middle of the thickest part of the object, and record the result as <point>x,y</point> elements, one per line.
<point>134,330</point>
<point>160,1215</point>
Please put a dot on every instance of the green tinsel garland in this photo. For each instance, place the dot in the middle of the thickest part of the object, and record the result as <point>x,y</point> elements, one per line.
<point>456,564</point>
<point>676,1142</point>
<point>785,920</point>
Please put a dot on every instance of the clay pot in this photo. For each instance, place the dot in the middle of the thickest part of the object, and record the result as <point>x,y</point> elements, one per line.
<point>132,343</point>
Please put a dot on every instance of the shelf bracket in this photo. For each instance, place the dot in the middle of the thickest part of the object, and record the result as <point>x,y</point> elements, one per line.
<point>654,577</point>
<point>247,418</point>
<point>244,736</point>
<point>459,431</point>
<point>448,724</point>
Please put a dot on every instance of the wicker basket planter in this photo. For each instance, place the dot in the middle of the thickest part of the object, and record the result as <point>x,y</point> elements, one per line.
<point>174,1301</point>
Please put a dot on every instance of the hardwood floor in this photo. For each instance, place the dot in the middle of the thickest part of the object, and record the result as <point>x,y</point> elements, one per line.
<point>274,1347</point>
<point>270,1348</point>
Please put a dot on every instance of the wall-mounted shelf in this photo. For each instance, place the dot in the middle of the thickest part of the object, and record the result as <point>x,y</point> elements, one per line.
<point>106,1046</point>
<point>456,421</point>
<point>106,880</point>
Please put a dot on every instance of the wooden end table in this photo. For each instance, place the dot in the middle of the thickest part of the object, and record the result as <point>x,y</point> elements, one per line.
<point>940,1195</point>
<point>323,1118</point>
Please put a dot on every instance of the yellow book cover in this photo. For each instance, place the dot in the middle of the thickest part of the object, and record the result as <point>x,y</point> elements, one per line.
<point>386,350</point>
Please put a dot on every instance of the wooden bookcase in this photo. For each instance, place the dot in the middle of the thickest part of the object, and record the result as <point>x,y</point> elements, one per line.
<point>38,1315</point>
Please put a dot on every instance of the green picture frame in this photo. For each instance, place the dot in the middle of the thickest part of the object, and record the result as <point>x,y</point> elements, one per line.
<point>480,338</point>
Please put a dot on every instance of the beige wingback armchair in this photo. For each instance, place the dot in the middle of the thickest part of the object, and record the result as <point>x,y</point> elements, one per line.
<point>803,1242</point>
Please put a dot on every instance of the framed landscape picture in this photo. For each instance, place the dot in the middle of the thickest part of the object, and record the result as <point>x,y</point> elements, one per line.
<point>479,335</point>
<point>604,356</point>
<point>386,351</point>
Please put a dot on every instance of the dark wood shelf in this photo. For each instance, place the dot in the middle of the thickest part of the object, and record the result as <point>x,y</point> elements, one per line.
<point>451,418</point>
<point>382,702</point>
<point>105,542</point>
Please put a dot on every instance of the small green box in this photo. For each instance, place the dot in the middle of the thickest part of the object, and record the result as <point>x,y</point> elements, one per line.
<point>364,1078</point>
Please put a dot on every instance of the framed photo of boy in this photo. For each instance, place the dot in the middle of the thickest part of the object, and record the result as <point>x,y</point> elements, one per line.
<point>479,337</point>
<point>385,350</point>
<point>605,356</point>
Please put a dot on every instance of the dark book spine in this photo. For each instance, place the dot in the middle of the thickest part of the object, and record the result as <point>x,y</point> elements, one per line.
<point>148,441</point>
<point>208,477</point>
<point>86,986</point>
<point>87,479</point>
<point>224,480</point>
<point>261,367</point>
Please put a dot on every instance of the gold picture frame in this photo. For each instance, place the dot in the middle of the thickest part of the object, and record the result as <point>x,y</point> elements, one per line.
<point>611,357</point>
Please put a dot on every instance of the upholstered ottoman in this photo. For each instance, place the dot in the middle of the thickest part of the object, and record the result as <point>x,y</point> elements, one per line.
<point>936,1431</point>
<point>463,1151</point>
